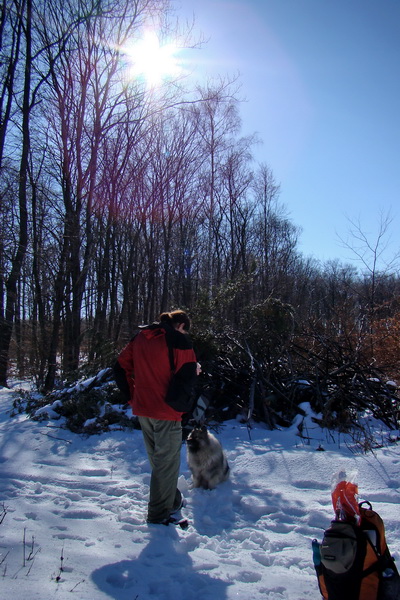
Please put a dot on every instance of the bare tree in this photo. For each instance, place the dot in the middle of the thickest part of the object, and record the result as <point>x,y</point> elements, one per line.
<point>372,252</point>
<point>91,105</point>
<point>23,32</point>
<point>277,236</point>
<point>218,122</point>
<point>23,26</point>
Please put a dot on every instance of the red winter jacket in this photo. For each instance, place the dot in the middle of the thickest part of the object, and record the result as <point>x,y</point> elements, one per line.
<point>147,367</point>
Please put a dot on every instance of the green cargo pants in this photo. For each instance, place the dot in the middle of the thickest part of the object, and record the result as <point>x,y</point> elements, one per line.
<point>163,441</point>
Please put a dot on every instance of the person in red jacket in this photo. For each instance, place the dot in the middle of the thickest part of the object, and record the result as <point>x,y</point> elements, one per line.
<point>145,366</point>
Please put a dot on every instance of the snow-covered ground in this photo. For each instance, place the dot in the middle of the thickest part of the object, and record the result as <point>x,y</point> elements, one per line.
<point>74,508</point>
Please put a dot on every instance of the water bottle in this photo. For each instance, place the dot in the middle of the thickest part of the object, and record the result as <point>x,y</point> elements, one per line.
<point>316,553</point>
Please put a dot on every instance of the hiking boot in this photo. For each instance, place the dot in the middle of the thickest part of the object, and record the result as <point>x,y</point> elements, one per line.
<point>159,522</point>
<point>182,523</point>
<point>179,507</point>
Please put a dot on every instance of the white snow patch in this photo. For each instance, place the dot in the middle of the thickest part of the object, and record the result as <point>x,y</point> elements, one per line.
<point>80,504</point>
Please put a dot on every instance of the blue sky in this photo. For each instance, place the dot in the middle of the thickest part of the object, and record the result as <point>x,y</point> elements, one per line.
<point>321,80</point>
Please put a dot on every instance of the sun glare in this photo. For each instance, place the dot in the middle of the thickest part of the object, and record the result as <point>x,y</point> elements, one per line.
<point>148,59</point>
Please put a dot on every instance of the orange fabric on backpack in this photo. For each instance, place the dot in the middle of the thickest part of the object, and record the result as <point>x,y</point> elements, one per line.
<point>322,587</point>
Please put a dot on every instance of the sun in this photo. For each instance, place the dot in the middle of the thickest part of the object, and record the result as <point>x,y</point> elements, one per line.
<point>152,61</point>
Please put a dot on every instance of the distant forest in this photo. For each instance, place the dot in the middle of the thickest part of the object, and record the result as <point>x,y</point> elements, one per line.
<point>119,202</point>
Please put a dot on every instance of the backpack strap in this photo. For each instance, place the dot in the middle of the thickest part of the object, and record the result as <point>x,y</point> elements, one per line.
<point>379,565</point>
<point>371,520</point>
<point>171,356</point>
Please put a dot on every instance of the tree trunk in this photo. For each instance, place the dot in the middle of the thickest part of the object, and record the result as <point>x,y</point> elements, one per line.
<point>7,320</point>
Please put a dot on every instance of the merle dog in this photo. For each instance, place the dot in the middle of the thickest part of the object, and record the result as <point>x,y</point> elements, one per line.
<point>206,459</point>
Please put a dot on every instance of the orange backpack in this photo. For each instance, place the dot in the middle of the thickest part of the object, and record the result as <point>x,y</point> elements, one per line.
<point>353,561</point>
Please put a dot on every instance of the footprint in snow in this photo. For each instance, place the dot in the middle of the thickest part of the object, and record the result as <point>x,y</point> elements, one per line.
<point>94,473</point>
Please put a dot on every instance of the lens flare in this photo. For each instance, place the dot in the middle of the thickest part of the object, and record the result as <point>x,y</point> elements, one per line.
<point>149,59</point>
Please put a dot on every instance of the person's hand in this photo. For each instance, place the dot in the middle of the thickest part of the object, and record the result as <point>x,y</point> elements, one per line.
<point>198,370</point>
